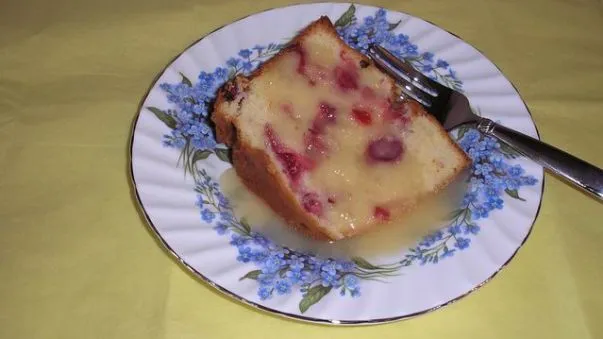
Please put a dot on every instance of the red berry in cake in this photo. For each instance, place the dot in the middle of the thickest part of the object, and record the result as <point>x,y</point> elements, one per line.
<point>381,213</point>
<point>325,116</point>
<point>314,138</point>
<point>327,112</point>
<point>346,78</point>
<point>362,116</point>
<point>315,144</point>
<point>294,164</point>
<point>311,203</point>
<point>385,149</point>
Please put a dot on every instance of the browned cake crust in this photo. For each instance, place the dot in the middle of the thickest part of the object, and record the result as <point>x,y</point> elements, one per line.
<point>255,167</point>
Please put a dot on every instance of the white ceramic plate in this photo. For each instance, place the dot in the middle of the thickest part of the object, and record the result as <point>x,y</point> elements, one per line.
<point>176,169</point>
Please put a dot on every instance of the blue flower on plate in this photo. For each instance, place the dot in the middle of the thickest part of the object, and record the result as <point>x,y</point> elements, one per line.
<point>245,53</point>
<point>266,279</point>
<point>238,240</point>
<point>207,215</point>
<point>273,264</point>
<point>328,279</point>
<point>346,265</point>
<point>454,229</point>
<point>245,254</point>
<point>295,276</point>
<point>426,68</point>
<point>447,252</point>
<point>428,56</point>
<point>471,229</point>
<point>350,281</point>
<point>247,66</point>
<point>283,286</point>
<point>296,263</point>
<point>221,228</point>
<point>260,239</point>
<point>221,73</point>
<point>462,243</point>
<point>233,62</point>
<point>265,292</point>
<point>442,64</point>
<point>258,256</point>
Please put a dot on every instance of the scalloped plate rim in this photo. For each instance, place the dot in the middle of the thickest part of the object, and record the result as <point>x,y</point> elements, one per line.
<point>188,268</point>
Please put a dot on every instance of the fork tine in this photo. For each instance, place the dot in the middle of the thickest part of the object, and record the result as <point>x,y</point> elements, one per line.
<point>415,93</point>
<point>408,87</point>
<point>383,57</point>
<point>418,83</point>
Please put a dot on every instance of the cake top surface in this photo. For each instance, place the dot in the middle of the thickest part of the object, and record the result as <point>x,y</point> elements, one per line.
<point>353,155</point>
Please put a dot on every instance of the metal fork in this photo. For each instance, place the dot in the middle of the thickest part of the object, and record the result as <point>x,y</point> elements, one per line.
<point>452,109</point>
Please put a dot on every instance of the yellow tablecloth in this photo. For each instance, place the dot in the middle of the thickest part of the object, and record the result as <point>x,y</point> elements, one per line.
<point>77,261</point>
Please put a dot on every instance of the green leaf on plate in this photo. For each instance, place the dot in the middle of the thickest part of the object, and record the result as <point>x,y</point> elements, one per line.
<point>223,154</point>
<point>393,26</point>
<point>455,214</point>
<point>461,132</point>
<point>251,275</point>
<point>363,263</point>
<point>513,194</point>
<point>167,119</point>
<point>200,155</point>
<point>239,231</point>
<point>406,262</point>
<point>186,80</point>
<point>313,296</point>
<point>245,224</point>
<point>347,17</point>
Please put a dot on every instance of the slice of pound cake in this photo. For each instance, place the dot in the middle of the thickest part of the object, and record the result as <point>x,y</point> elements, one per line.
<point>319,134</point>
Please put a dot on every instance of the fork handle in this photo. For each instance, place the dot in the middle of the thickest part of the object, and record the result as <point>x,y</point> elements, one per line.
<point>585,176</point>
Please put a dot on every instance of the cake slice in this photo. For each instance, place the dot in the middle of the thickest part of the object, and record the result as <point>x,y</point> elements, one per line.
<point>318,133</point>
